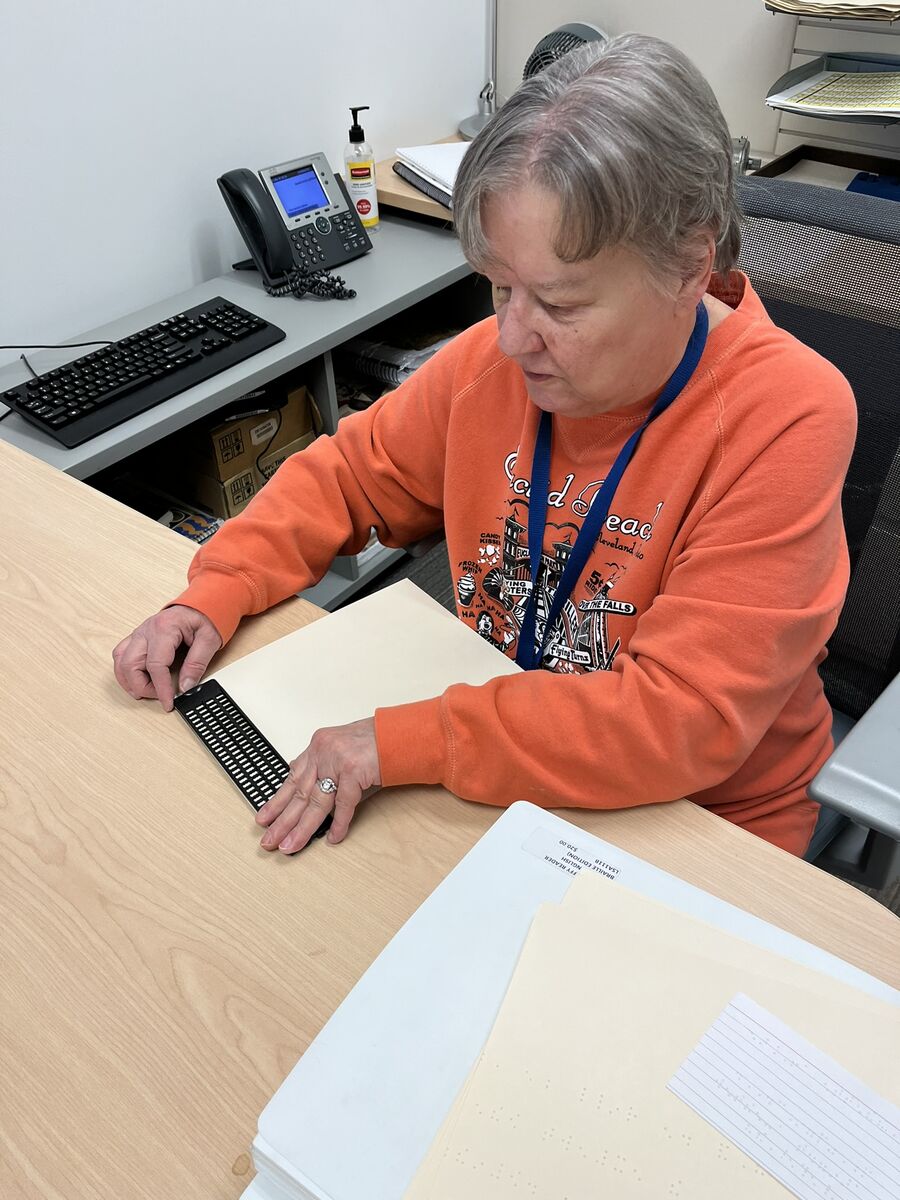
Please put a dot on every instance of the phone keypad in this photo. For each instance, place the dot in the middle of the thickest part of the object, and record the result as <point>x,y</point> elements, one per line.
<point>309,242</point>
<point>351,237</point>
<point>308,248</point>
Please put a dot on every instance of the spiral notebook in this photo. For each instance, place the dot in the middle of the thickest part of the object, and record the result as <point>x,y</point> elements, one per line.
<point>422,184</point>
<point>436,164</point>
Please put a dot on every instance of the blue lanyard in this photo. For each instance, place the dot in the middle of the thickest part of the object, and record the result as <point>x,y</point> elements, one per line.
<point>529,653</point>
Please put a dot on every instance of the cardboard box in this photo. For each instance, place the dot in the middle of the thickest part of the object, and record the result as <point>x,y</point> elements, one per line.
<point>228,497</point>
<point>224,498</point>
<point>230,448</point>
<point>270,463</point>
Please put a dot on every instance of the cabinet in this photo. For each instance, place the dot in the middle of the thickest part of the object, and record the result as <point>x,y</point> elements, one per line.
<point>410,262</point>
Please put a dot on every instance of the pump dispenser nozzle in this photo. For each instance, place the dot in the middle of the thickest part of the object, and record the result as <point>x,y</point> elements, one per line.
<point>357,133</point>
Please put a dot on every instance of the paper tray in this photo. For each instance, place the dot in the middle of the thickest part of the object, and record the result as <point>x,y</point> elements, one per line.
<point>851,160</point>
<point>836,62</point>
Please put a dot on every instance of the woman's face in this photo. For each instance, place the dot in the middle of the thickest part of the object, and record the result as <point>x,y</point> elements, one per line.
<point>590,337</point>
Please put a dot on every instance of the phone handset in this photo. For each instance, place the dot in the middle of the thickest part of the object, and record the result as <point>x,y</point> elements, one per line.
<point>298,222</point>
<point>260,225</point>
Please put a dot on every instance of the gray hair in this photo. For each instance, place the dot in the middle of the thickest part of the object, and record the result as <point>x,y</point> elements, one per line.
<point>630,140</point>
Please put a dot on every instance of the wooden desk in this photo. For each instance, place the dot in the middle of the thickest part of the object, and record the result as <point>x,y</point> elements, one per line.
<point>160,973</point>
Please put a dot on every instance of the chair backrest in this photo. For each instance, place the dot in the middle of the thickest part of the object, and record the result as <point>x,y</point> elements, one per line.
<point>826,264</point>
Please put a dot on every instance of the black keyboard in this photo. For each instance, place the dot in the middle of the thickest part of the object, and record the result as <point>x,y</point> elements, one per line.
<point>113,384</point>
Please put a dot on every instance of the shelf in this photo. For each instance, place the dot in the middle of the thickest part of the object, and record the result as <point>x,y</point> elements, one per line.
<point>815,39</point>
<point>849,64</point>
<point>409,261</point>
<point>336,589</point>
<point>844,21</point>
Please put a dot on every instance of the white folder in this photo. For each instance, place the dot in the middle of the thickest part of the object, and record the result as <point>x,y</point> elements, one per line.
<point>357,1114</point>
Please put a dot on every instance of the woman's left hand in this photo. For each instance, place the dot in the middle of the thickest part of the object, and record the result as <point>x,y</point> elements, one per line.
<point>346,755</point>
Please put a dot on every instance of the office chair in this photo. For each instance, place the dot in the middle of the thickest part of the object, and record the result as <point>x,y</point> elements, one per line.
<point>826,264</point>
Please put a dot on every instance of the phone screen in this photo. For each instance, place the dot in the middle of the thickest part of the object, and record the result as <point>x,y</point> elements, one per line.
<point>299,191</point>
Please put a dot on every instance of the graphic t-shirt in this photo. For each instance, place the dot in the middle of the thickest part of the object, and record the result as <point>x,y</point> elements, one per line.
<point>495,588</point>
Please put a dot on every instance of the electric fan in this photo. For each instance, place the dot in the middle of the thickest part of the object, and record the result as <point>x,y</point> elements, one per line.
<point>554,45</point>
<point>551,47</point>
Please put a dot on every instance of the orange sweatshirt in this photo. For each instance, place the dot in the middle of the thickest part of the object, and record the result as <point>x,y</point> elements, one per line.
<point>686,661</point>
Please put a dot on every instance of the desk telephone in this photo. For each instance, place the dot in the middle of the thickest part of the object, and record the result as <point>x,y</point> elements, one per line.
<point>298,222</point>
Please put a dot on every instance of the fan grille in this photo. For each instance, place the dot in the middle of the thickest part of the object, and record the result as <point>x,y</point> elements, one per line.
<point>553,46</point>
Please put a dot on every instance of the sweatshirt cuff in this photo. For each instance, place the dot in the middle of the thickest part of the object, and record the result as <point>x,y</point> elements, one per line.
<point>224,606</point>
<point>412,745</point>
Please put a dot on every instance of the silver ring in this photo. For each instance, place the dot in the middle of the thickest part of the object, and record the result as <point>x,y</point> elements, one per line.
<point>326,785</point>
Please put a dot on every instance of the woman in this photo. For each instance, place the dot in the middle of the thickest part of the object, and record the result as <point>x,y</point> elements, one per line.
<point>673,622</point>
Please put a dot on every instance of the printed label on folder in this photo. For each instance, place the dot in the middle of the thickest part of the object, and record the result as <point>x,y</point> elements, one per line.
<point>565,855</point>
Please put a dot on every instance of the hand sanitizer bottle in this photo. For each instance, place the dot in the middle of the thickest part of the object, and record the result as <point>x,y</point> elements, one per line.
<point>359,173</point>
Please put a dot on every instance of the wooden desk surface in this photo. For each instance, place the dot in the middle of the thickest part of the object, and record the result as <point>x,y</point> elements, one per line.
<point>160,973</point>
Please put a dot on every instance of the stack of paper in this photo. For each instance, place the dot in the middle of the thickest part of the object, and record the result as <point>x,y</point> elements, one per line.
<point>642,1053</point>
<point>357,1115</point>
<point>432,169</point>
<point>856,10</point>
<point>843,93</point>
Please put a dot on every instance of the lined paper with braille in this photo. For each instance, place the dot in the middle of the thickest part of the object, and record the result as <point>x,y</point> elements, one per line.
<point>611,994</point>
<point>819,1130</point>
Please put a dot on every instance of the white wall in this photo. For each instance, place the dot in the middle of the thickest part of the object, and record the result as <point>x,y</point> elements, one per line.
<point>739,46</point>
<point>116,117</point>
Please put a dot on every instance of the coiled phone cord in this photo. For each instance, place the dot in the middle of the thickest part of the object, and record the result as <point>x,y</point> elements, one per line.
<point>317,283</point>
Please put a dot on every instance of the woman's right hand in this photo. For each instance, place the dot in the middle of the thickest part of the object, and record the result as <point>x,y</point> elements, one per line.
<point>143,660</point>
